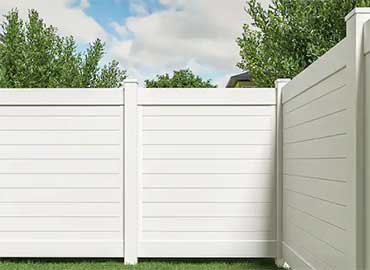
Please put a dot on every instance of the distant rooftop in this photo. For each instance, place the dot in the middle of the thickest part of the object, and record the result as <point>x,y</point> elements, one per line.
<point>242,77</point>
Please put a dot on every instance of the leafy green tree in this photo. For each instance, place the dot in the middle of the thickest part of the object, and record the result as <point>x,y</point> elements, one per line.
<point>184,78</point>
<point>291,34</point>
<point>33,55</point>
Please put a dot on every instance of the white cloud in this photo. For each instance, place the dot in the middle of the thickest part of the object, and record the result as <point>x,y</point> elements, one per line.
<point>188,33</point>
<point>84,4</point>
<point>60,13</point>
<point>119,28</point>
<point>173,2</point>
<point>138,7</point>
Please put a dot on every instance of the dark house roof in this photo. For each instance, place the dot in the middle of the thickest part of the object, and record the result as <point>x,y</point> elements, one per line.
<point>242,77</point>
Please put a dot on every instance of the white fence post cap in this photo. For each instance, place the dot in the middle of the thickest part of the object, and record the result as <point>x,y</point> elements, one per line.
<point>356,11</point>
<point>131,81</point>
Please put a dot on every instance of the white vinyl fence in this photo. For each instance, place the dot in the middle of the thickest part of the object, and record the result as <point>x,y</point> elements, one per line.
<point>206,179</point>
<point>322,170</point>
<point>281,173</point>
<point>61,173</point>
<point>140,173</point>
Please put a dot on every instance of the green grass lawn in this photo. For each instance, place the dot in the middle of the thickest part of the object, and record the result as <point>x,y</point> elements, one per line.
<point>97,264</point>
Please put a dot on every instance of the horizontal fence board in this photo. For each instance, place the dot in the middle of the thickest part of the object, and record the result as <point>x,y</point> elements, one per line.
<point>329,104</point>
<point>301,255</point>
<point>56,166</point>
<point>60,137</point>
<point>59,111</point>
<point>48,209</point>
<point>330,125</point>
<point>61,96</point>
<point>207,152</point>
<point>60,195</point>
<point>330,213</point>
<point>259,224</point>
<point>295,260</point>
<point>207,123</point>
<point>208,209</point>
<point>324,256</point>
<point>331,147</point>
<point>336,192</point>
<point>331,169</point>
<point>207,166</point>
<point>207,137</point>
<point>59,235</point>
<point>208,181</point>
<point>214,111</point>
<point>208,236</point>
<point>63,123</point>
<point>215,249</point>
<point>206,96</point>
<point>333,85</point>
<point>29,181</point>
<point>210,195</point>
<point>60,152</point>
<point>318,71</point>
<point>333,236</point>
<point>60,224</point>
<point>63,248</point>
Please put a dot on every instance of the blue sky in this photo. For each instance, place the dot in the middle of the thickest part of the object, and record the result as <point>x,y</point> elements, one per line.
<point>104,12</point>
<point>150,37</point>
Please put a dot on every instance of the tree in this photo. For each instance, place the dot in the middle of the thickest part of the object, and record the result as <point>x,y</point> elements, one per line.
<point>291,34</point>
<point>33,55</point>
<point>184,78</point>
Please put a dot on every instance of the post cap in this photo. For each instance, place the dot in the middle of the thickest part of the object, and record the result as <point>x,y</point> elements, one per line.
<point>282,81</point>
<point>357,11</point>
<point>131,81</point>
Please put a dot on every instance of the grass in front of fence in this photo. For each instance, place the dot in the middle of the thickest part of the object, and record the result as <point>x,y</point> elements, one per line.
<point>169,264</point>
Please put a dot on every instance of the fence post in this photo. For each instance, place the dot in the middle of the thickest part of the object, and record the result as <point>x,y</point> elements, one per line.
<point>356,133</point>
<point>131,216</point>
<point>279,84</point>
<point>367,140</point>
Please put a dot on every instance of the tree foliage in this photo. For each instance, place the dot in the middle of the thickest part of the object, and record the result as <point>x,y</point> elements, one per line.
<point>291,34</point>
<point>184,78</point>
<point>33,55</point>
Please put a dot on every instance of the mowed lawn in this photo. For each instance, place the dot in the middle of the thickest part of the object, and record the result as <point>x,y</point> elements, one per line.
<point>173,264</point>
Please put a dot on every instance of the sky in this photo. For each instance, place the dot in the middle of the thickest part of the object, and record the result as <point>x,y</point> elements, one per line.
<point>150,37</point>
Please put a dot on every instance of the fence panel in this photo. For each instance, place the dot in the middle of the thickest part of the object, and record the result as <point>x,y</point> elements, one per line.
<point>61,165</point>
<point>316,189</point>
<point>323,158</point>
<point>207,173</point>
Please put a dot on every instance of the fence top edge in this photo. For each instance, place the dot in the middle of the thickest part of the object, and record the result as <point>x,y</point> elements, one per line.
<point>219,89</point>
<point>59,89</point>
<point>317,71</point>
<point>61,96</point>
<point>206,96</point>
